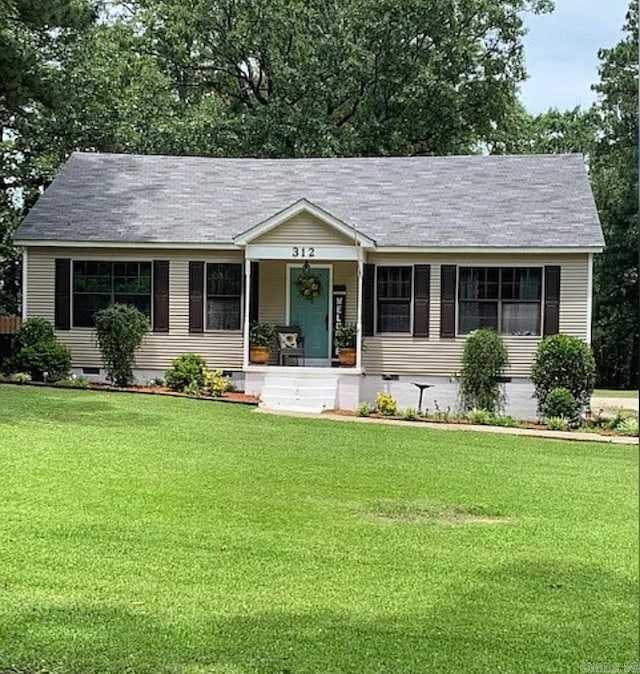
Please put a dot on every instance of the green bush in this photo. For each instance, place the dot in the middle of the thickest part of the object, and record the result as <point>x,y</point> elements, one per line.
<point>628,427</point>
<point>364,409</point>
<point>216,384</point>
<point>502,420</point>
<point>564,361</point>
<point>560,403</point>
<point>187,373</point>
<point>20,378</point>
<point>73,382</point>
<point>478,416</point>
<point>120,329</point>
<point>484,361</point>
<point>386,405</point>
<point>37,351</point>
<point>410,414</point>
<point>557,424</point>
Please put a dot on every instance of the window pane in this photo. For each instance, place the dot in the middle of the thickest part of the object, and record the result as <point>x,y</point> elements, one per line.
<point>141,302</point>
<point>394,282</point>
<point>520,318</point>
<point>98,284</point>
<point>85,306</point>
<point>224,279</point>
<point>394,316</point>
<point>474,315</point>
<point>223,313</point>
<point>529,284</point>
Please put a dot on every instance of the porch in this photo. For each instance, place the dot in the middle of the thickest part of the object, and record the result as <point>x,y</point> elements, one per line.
<point>303,268</point>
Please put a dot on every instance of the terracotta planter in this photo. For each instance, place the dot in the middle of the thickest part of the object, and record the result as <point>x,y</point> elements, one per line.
<point>347,357</point>
<point>259,355</point>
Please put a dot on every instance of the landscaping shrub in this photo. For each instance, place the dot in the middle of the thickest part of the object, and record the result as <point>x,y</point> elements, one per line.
<point>557,424</point>
<point>502,420</point>
<point>73,382</point>
<point>386,405</point>
<point>628,427</point>
<point>20,378</point>
<point>478,416</point>
<point>484,361</point>
<point>188,373</point>
<point>560,403</point>
<point>120,329</point>
<point>216,383</point>
<point>364,409</point>
<point>410,414</point>
<point>564,361</point>
<point>37,351</point>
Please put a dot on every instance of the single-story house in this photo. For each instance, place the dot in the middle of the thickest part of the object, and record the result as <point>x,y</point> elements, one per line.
<point>415,251</point>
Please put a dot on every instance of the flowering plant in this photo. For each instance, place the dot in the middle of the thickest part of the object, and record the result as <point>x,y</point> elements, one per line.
<point>309,286</point>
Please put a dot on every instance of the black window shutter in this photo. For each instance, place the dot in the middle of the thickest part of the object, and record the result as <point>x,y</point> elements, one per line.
<point>421,288</point>
<point>196,296</point>
<point>448,300</point>
<point>551,300</point>
<point>368,296</point>
<point>62,312</point>
<point>254,299</point>
<point>161,295</point>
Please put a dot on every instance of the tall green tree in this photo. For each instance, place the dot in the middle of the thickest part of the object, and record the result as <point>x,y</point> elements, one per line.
<point>31,35</point>
<point>550,132</point>
<point>343,77</point>
<point>614,172</point>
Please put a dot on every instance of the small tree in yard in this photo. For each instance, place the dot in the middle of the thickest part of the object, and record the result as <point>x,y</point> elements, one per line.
<point>484,361</point>
<point>120,330</point>
<point>567,362</point>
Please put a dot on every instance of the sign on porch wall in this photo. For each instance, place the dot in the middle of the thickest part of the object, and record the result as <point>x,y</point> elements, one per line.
<point>301,251</point>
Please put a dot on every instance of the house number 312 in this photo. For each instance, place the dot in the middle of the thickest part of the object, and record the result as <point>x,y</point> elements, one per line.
<point>303,252</point>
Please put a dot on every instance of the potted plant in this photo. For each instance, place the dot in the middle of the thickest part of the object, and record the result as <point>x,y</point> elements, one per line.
<point>260,340</point>
<point>345,340</point>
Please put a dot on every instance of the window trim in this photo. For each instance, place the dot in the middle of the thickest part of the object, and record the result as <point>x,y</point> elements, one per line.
<point>499,300</point>
<point>409,332</point>
<point>205,297</point>
<point>111,260</point>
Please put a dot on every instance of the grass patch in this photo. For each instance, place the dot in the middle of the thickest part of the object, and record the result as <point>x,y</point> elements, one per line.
<point>143,534</point>
<point>610,393</point>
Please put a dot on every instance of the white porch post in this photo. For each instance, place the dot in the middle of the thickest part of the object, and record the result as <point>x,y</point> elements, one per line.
<point>247,303</point>
<point>359,318</point>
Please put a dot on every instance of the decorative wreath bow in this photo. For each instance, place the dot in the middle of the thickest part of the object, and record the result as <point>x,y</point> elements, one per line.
<point>309,286</point>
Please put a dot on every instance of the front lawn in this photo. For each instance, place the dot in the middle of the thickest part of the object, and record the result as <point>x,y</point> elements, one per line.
<point>145,534</point>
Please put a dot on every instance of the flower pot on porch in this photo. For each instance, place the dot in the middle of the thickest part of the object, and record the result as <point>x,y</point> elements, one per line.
<point>259,355</point>
<point>347,356</point>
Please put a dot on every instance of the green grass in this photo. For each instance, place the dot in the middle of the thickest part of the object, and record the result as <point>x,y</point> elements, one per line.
<point>145,534</point>
<point>610,393</point>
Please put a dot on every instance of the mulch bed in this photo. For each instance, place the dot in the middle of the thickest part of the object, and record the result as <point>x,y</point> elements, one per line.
<point>236,397</point>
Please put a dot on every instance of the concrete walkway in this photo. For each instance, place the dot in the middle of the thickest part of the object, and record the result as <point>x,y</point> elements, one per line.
<point>500,430</point>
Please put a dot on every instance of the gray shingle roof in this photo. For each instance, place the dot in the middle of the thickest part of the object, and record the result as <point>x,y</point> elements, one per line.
<point>524,201</point>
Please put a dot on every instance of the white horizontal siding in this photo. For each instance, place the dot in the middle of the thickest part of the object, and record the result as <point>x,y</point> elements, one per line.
<point>303,229</point>
<point>383,354</point>
<point>221,349</point>
<point>399,354</point>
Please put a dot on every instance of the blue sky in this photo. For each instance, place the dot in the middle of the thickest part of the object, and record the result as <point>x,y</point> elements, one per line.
<point>561,52</point>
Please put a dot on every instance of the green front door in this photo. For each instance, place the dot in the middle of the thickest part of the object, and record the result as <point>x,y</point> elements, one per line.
<point>311,315</point>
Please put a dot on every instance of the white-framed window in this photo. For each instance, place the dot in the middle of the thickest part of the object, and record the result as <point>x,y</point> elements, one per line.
<point>98,284</point>
<point>223,288</point>
<point>507,299</point>
<point>394,291</point>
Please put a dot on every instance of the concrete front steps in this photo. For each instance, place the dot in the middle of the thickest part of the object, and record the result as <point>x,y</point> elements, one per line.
<point>303,389</point>
<point>300,390</point>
